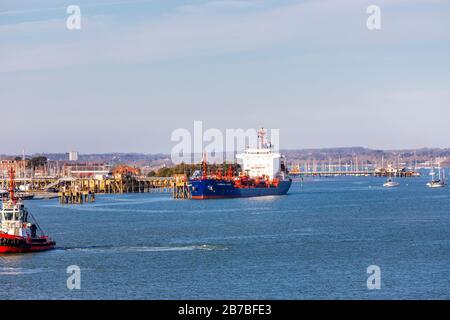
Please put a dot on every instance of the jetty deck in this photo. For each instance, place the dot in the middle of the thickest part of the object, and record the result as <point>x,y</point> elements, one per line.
<point>107,185</point>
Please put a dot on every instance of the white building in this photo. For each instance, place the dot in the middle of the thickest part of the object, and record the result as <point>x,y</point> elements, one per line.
<point>73,156</point>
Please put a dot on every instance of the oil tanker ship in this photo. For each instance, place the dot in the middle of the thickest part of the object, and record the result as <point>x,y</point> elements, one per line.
<point>264,173</point>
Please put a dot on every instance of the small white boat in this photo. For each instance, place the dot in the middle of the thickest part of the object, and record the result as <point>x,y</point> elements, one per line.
<point>391,183</point>
<point>436,183</point>
<point>20,195</point>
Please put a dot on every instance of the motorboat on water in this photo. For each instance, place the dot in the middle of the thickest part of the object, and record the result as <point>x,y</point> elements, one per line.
<point>25,196</point>
<point>390,183</point>
<point>19,194</point>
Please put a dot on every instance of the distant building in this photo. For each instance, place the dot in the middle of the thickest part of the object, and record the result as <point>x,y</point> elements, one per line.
<point>86,170</point>
<point>73,156</point>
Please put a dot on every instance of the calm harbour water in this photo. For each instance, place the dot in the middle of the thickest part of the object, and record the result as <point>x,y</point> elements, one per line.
<point>315,243</point>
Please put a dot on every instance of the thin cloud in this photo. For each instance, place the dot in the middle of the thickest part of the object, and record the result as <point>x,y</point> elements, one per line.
<point>316,25</point>
<point>219,6</point>
<point>87,5</point>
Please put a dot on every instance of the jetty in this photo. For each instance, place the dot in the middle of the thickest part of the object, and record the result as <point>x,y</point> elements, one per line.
<point>125,184</point>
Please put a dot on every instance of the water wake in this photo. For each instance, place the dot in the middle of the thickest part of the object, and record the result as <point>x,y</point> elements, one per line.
<point>8,271</point>
<point>124,249</point>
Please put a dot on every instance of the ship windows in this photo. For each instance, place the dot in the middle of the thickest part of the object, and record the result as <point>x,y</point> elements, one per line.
<point>8,214</point>
<point>12,215</point>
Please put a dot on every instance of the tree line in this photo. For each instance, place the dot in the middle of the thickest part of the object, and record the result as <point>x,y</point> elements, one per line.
<point>34,162</point>
<point>189,169</point>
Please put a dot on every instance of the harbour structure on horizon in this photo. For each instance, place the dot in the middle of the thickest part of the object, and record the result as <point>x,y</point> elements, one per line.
<point>80,182</point>
<point>350,169</point>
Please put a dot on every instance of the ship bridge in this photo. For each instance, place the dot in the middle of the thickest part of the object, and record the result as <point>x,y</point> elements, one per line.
<point>261,161</point>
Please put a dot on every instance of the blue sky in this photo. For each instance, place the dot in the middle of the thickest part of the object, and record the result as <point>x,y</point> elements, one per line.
<point>137,70</point>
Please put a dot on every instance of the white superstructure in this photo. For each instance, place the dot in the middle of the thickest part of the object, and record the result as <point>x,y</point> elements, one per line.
<point>14,219</point>
<point>261,161</point>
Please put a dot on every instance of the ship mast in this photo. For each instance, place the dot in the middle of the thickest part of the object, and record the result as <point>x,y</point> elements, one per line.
<point>12,185</point>
<point>262,143</point>
<point>204,166</point>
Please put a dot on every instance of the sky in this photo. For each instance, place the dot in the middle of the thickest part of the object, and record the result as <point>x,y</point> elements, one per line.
<point>138,70</point>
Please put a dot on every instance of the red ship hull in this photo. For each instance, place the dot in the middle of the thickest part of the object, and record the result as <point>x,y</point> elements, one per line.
<point>13,244</point>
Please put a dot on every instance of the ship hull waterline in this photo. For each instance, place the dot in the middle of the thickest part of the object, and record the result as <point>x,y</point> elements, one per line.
<point>222,189</point>
<point>26,246</point>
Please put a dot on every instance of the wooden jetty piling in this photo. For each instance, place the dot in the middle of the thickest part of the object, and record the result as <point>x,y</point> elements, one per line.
<point>76,197</point>
<point>181,188</point>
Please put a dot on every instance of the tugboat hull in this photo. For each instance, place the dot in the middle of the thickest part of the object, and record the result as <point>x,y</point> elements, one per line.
<point>13,244</point>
